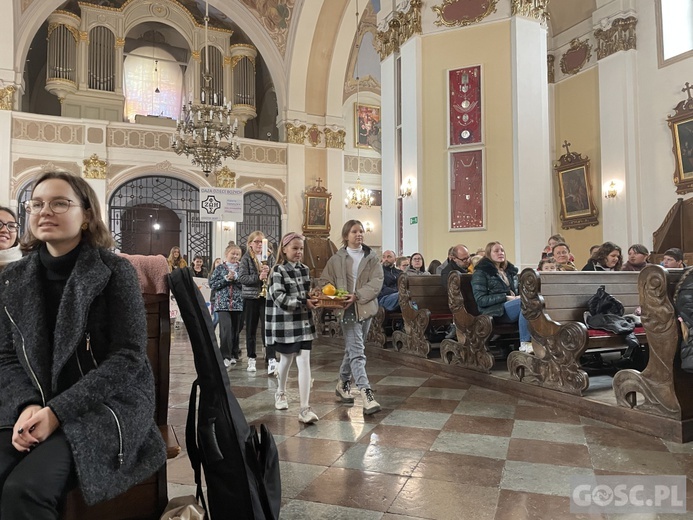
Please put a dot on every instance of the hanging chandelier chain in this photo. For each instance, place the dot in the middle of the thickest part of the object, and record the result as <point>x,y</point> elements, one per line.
<point>204,132</point>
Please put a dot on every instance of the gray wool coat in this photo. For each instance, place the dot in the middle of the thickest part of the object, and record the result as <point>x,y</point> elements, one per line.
<point>107,414</point>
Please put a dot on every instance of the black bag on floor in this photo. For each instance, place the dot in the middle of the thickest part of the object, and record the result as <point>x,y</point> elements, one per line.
<point>241,468</point>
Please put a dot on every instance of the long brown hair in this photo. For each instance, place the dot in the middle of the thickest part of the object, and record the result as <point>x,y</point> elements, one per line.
<point>605,250</point>
<point>249,247</point>
<point>96,234</point>
<point>489,246</point>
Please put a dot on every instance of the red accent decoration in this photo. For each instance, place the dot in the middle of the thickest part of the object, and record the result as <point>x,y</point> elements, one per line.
<point>465,10</point>
<point>596,333</point>
<point>466,190</point>
<point>465,105</point>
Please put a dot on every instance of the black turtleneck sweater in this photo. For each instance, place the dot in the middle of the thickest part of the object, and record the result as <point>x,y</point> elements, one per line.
<point>56,272</point>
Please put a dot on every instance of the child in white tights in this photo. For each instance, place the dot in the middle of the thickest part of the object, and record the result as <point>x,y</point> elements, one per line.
<point>288,321</point>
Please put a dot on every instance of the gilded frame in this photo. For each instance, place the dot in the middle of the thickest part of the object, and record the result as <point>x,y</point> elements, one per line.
<point>316,213</point>
<point>575,192</point>
<point>467,187</point>
<point>682,135</point>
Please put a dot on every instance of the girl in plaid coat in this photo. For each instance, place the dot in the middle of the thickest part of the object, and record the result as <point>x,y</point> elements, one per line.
<point>288,321</point>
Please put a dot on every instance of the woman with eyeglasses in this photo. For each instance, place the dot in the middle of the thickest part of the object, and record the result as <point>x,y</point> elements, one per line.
<point>78,391</point>
<point>253,275</point>
<point>9,237</point>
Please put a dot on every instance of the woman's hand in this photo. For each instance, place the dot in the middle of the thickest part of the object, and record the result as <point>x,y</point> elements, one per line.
<point>511,298</point>
<point>311,303</point>
<point>264,272</point>
<point>34,425</point>
<point>350,299</point>
<point>231,276</point>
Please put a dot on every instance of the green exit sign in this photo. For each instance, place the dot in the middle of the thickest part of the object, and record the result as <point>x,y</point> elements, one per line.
<point>414,220</point>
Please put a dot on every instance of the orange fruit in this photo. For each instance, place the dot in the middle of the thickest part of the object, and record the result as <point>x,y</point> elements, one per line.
<point>329,290</point>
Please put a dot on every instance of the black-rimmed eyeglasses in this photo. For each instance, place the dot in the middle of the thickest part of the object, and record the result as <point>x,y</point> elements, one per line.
<point>465,259</point>
<point>12,227</point>
<point>56,205</point>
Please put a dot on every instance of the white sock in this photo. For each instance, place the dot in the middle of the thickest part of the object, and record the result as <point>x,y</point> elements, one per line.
<point>284,366</point>
<point>303,364</point>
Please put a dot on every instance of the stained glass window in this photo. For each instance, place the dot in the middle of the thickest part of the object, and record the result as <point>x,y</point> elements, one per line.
<point>145,71</point>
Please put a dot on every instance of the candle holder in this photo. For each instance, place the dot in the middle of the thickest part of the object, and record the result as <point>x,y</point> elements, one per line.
<point>263,291</point>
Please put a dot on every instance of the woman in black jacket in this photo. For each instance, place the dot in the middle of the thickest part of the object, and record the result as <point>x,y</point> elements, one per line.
<point>78,391</point>
<point>607,258</point>
<point>496,291</point>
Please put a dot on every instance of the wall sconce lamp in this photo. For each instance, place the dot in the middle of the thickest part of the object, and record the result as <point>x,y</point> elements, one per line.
<point>612,190</point>
<point>226,226</point>
<point>368,226</point>
<point>406,189</point>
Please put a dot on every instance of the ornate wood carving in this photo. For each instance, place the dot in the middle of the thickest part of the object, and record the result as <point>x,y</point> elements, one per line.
<point>551,68</point>
<point>295,134</point>
<point>659,381</point>
<point>536,9</point>
<point>94,168</point>
<point>455,13</point>
<point>681,125</point>
<point>226,178</point>
<point>575,190</point>
<point>557,347</point>
<point>400,28</point>
<point>619,37</point>
<point>576,56</point>
<point>412,340</point>
<point>376,332</point>
<point>473,333</point>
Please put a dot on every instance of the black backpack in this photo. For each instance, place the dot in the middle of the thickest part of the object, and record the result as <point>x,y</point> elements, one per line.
<point>241,468</point>
<point>683,302</point>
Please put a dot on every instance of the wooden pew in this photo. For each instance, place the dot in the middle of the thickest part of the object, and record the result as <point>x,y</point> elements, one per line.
<point>666,389</point>
<point>474,330</point>
<point>146,500</point>
<point>431,305</point>
<point>554,304</point>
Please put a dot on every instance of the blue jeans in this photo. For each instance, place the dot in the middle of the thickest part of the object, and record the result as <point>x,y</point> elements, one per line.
<point>513,314</point>
<point>390,301</point>
<point>354,362</point>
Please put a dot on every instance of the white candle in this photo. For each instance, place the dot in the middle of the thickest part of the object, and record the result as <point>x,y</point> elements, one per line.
<point>263,257</point>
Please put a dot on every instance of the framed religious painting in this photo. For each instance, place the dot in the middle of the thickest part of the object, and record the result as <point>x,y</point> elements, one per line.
<point>575,191</point>
<point>316,211</point>
<point>681,124</point>
<point>367,124</point>
<point>464,106</point>
<point>467,190</point>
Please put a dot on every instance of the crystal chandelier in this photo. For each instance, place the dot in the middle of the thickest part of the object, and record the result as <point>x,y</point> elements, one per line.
<point>204,131</point>
<point>358,196</point>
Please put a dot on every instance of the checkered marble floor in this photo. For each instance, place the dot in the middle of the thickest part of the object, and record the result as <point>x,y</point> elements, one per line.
<point>439,449</point>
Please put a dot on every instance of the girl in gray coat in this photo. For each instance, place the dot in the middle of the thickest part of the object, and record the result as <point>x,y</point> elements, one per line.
<point>78,397</point>
<point>356,269</point>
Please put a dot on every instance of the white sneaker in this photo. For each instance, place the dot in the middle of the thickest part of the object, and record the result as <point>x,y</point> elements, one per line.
<point>234,361</point>
<point>526,346</point>
<point>306,416</point>
<point>251,365</point>
<point>271,366</point>
<point>280,401</point>
<point>227,362</point>
<point>370,405</point>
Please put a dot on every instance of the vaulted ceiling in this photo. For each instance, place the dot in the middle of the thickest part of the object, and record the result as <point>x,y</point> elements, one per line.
<point>566,13</point>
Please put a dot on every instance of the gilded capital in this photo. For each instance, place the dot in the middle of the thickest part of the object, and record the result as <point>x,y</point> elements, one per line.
<point>7,97</point>
<point>619,37</point>
<point>536,9</point>
<point>226,178</point>
<point>94,168</point>
<point>120,42</point>
<point>195,55</point>
<point>335,138</point>
<point>401,28</point>
<point>295,134</point>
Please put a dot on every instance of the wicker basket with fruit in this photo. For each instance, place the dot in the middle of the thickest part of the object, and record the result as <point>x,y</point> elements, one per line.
<point>331,297</point>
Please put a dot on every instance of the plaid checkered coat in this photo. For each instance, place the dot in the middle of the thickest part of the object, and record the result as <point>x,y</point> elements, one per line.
<point>287,318</point>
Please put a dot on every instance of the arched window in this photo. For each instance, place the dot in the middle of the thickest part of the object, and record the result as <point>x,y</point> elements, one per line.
<point>674,30</point>
<point>261,212</point>
<point>152,83</point>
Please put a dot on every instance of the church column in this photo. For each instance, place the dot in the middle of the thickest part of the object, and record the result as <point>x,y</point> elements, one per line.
<point>615,35</point>
<point>530,119</point>
<point>388,111</point>
<point>119,60</point>
<point>295,184</point>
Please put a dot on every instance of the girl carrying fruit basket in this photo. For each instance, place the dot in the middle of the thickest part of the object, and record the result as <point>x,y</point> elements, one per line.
<point>355,269</point>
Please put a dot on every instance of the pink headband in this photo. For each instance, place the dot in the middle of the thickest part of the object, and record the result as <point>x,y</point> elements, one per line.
<point>290,236</point>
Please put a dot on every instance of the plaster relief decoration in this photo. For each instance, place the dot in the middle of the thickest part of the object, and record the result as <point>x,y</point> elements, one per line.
<point>32,130</point>
<point>335,138</point>
<point>456,13</point>
<point>681,124</point>
<point>7,97</point>
<point>619,37</point>
<point>295,134</point>
<point>575,190</point>
<point>466,190</point>
<point>94,168</point>
<point>275,16</point>
<point>226,178</point>
<point>314,134</point>
<point>399,28</point>
<point>551,68</point>
<point>576,56</point>
<point>464,106</point>
<point>536,9</point>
